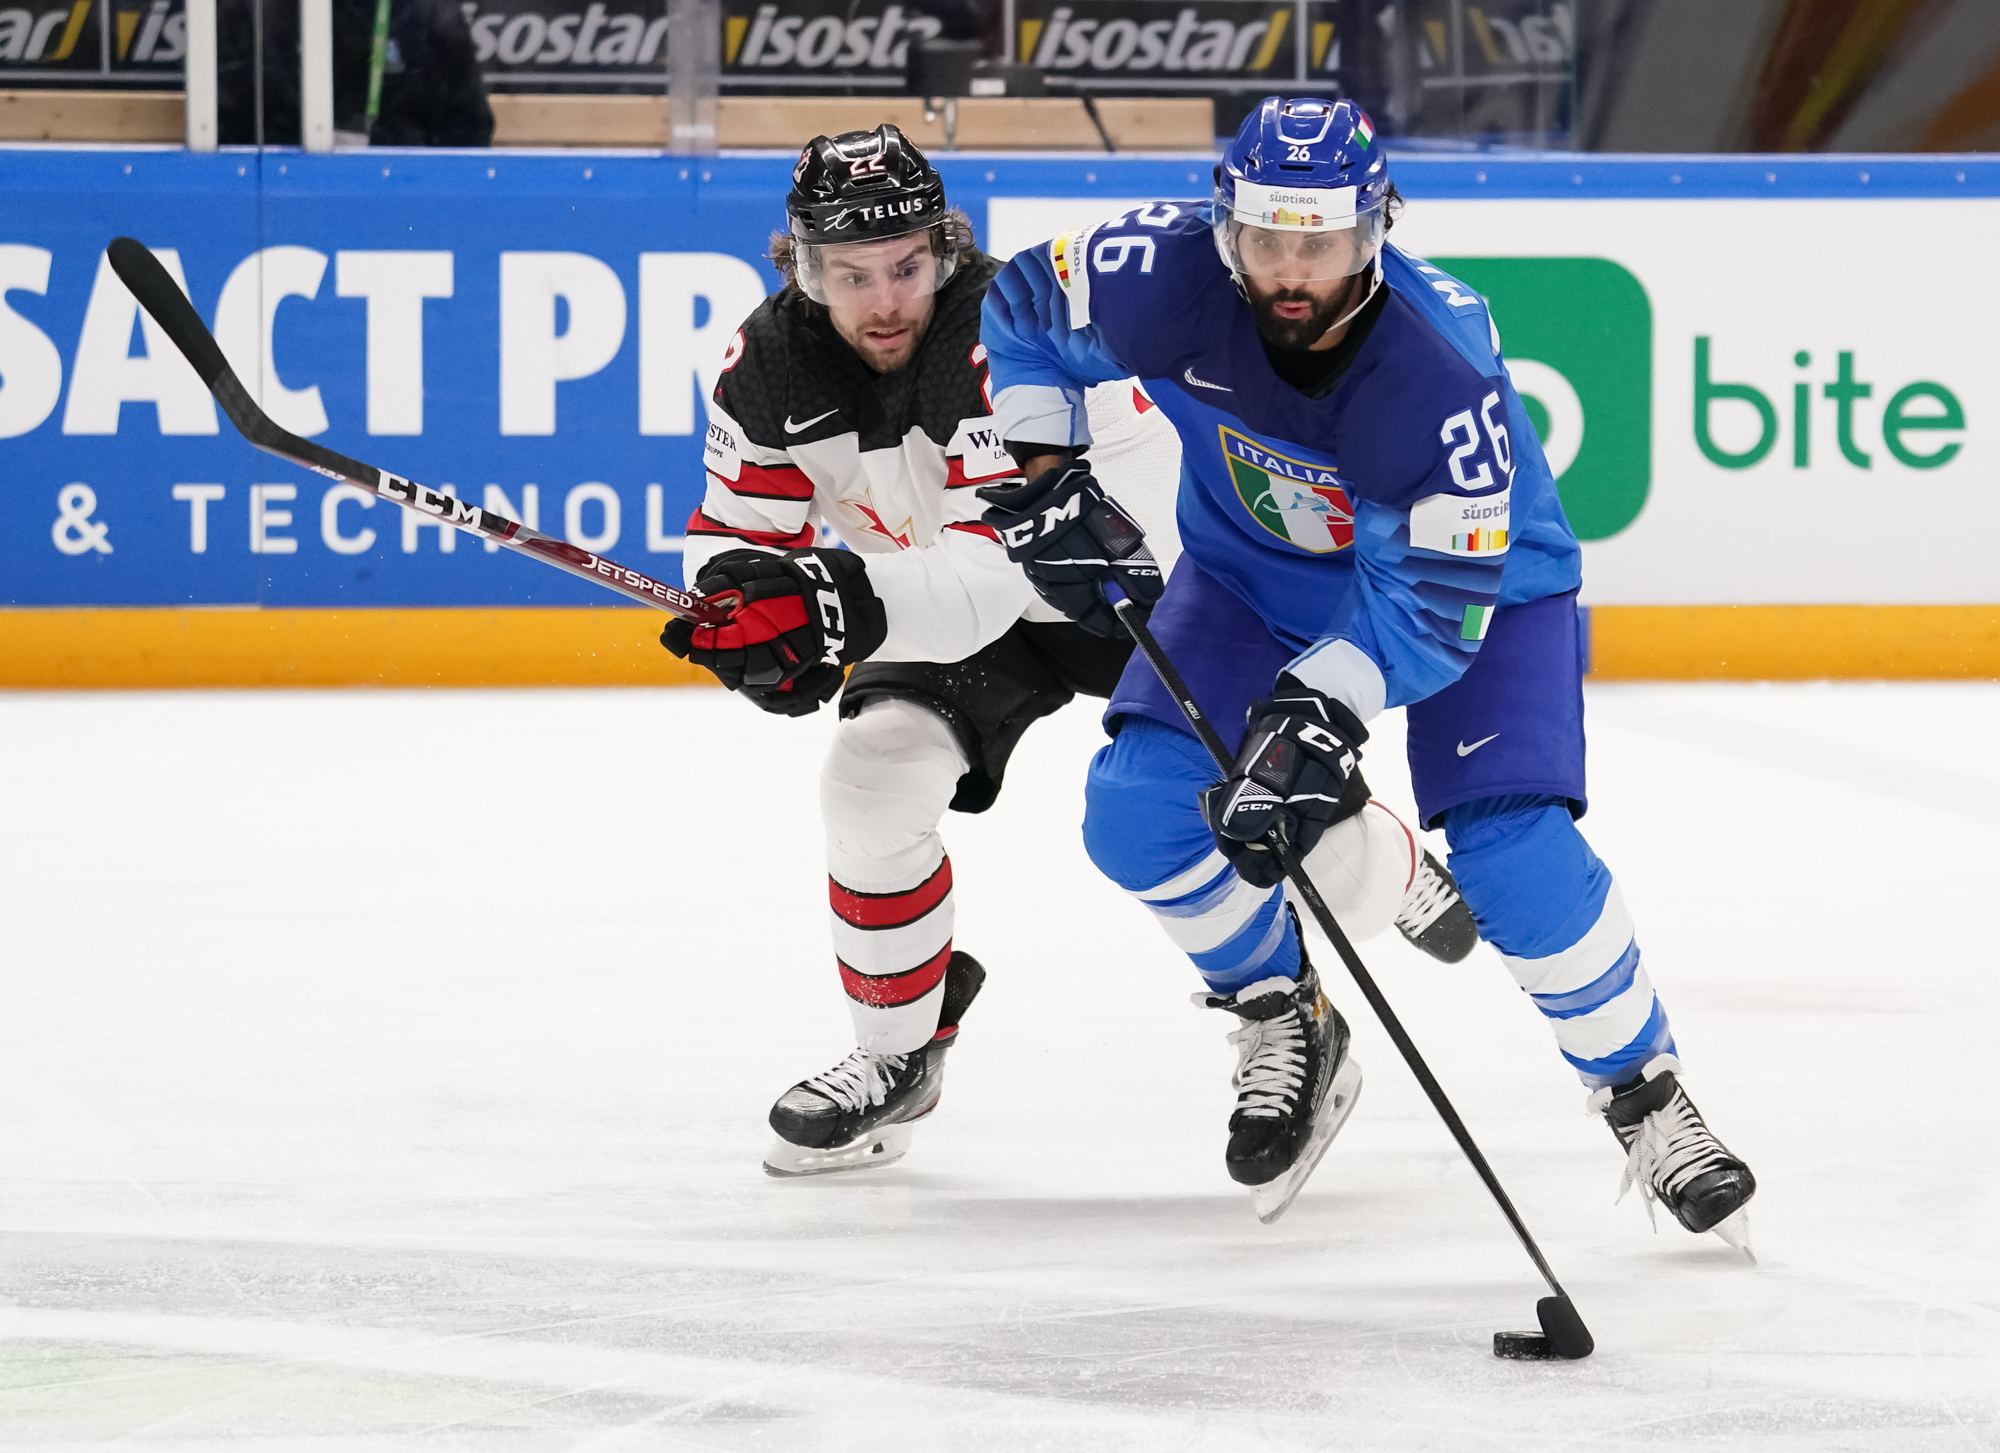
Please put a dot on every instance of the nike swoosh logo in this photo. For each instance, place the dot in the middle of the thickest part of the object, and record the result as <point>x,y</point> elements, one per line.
<point>1465,751</point>
<point>1204,383</point>
<point>791,428</point>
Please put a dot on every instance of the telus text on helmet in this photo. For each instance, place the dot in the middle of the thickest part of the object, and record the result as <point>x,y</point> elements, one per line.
<point>881,211</point>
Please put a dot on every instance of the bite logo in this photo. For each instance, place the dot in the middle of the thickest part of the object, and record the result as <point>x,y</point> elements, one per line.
<point>1300,502</point>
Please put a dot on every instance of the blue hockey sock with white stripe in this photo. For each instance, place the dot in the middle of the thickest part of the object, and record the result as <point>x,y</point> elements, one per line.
<point>1145,832</point>
<point>1549,904</point>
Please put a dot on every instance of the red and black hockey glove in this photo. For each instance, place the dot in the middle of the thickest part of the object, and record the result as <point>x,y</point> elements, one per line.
<point>1072,540</point>
<point>1299,769</point>
<point>799,621</point>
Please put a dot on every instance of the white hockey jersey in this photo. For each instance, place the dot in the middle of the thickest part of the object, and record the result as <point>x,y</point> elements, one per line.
<point>806,442</point>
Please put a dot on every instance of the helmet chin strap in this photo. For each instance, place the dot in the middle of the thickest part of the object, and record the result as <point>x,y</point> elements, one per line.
<point>1373,284</point>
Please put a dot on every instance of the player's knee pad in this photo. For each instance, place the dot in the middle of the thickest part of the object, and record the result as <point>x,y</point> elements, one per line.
<point>1362,866</point>
<point>888,778</point>
<point>1533,884</point>
<point>1142,823</point>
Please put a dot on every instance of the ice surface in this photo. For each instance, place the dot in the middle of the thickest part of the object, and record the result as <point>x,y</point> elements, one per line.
<point>385,1070</point>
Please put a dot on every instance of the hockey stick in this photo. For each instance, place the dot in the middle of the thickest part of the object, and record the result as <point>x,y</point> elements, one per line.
<point>1566,1335</point>
<point>160,296</point>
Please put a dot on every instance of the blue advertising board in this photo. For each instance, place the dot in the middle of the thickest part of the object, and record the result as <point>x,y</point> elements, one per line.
<point>535,331</point>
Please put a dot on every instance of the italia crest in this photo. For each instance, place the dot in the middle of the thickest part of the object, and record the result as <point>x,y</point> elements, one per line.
<point>1301,503</point>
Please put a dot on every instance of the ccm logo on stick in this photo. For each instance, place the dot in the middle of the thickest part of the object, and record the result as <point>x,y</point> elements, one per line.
<point>450,507</point>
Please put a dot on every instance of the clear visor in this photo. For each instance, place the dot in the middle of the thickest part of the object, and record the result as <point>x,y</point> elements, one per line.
<point>880,274</point>
<point>1296,254</point>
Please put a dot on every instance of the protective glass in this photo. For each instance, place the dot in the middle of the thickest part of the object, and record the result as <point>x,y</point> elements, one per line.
<point>1300,254</point>
<point>881,274</point>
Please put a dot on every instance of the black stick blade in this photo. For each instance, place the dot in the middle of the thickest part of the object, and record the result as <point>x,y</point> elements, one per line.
<point>159,295</point>
<point>1568,1338</point>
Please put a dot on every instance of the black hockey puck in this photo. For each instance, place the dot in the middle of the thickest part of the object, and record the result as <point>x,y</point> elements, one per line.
<point>1563,1337</point>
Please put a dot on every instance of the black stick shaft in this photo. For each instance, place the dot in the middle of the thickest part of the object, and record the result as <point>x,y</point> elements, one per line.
<point>1135,622</point>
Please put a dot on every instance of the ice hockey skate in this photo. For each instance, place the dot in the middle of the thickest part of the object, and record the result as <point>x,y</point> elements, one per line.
<point>1674,1158</point>
<point>1434,916</point>
<point>1295,1085</point>
<point>863,1112</point>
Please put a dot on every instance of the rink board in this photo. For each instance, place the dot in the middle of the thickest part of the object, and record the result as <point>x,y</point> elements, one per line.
<point>1764,383</point>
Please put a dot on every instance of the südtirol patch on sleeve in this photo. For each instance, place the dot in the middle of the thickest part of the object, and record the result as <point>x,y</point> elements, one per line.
<point>1455,524</point>
<point>1066,255</point>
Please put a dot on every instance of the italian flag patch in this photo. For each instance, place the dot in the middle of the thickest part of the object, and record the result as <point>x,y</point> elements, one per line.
<point>1364,130</point>
<point>1473,626</point>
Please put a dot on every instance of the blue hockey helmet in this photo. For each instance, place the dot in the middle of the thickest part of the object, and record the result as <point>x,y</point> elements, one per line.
<point>1302,192</point>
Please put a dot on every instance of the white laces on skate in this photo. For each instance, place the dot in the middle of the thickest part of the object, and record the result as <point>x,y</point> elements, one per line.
<point>1671,1148</point>
<point>862,1079</point>
<point>1270,1064</point>
<point>1429,896</point>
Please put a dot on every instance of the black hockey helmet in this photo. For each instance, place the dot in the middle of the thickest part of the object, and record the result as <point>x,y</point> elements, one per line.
<point>865,186</point>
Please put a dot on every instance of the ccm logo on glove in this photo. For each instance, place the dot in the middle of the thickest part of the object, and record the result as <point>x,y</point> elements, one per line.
<point>832,621</point>
<point>1073,541</point>
<point>1021,535</point>
<point>1298,773</point>
<point>799,620</point>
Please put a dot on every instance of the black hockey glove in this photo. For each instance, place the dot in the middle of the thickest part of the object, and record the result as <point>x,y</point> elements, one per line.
<point>1299,768</point>
<point>800,620</point>
<point>1073,540</point>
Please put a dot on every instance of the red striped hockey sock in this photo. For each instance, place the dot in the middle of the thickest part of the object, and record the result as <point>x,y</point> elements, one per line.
<point>892,948</point>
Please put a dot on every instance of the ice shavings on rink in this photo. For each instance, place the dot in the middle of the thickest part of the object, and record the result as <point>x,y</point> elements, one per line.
<point>386,1070</point>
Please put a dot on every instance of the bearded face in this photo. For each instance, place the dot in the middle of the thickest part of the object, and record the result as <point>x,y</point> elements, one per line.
<point>880,297</point>
<point>1297,314</point>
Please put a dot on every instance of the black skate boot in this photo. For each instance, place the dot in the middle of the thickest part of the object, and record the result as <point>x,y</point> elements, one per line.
<point>862,1111</point>
<point>1295,1084</point>
<point>1434,917</point>
<point>1674,1158</point>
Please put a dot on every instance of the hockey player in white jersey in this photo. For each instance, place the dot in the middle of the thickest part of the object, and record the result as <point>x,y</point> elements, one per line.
<point>857,398</point>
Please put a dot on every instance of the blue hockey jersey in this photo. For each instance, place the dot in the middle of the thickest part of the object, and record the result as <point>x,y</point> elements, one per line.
<point>1374,529</point>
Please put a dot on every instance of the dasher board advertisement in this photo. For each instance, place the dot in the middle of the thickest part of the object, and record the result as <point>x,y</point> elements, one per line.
<point>553,44</point>
<point>1744,406</point>
<point>119,44</point>
<point>1758,381</point>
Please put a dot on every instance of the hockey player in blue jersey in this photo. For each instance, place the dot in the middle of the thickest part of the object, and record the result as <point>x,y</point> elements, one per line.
<point>1368,522</point>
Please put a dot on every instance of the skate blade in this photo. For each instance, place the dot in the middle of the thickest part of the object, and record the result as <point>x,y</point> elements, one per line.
<point>1272,1199</point>
<point>881,1147</point>
<point>1735,1229</point>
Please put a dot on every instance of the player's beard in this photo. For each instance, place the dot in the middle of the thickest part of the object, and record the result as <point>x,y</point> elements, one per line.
<point>915,318</point>
<point>1306,331</point>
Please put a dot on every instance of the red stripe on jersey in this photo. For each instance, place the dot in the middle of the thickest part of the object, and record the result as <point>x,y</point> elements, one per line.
<point>983,530</point>
<point>777,481</point>
<point>955,475</point>
<point>891,910</point>
<point>700,524</point>
<point>892,989</point>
